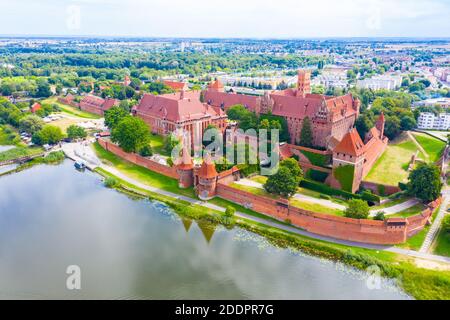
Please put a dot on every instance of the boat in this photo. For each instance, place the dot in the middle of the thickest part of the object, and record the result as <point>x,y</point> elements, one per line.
<point>80,165</point>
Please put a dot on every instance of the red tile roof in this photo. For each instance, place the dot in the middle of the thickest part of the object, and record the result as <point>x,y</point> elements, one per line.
<point>226,100</point>
<point>175,85</point>
<point>351,144</point>
<point>35,107</point>
<point>208,168</point>
<point>177,107</point>
<point>99,103</point>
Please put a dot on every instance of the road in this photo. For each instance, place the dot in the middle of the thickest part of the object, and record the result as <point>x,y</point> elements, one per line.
<point>292,229</point>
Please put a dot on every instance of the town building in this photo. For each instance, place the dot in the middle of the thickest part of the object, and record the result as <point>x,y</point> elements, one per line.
<point>387,82</point>
<point>176,85</point>
<point>35,107</point>
<point>431,121</point>
<point>439,102</point>
<point>97,105</point>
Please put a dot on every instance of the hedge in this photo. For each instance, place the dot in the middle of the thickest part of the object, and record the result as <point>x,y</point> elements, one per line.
<point>316,175</point>
<point>323,188</point>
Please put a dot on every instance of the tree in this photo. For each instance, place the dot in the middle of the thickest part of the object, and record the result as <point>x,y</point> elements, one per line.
<point>43,89</point>
<point>76,132</point>
<point>380,216</point>
<point>363,124</point>
<point>408,123</point>
<point>306,136</point>
<point>392,127</point>
<point>283,183</point>
<point>31,124</point>
<point>146,151</point>
<point>293,167</point>
<point>125,105</point>
<point>131,133</point>
<point>47,135</point>
<point>170,142</point>
<point>114,115</point>
<point>424,182</point>
<point>357,209</point>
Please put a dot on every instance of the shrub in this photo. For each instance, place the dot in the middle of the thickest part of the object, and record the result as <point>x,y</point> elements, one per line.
<point>379,216</point>
<point>381,190</point>
<point>324,196</point>
<point>146,151</point>
<point>111,182</point>
<point>230,211</point>
<point>54,157</point>
<point>357,209</point>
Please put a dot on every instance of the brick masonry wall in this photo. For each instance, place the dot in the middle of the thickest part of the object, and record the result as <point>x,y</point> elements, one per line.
<point>388,189</point>
<point>367,231</point>
<point>138,160</point>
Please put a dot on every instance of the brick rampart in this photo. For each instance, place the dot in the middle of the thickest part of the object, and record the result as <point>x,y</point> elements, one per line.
<point>138,160</point>
<point>392,231</point>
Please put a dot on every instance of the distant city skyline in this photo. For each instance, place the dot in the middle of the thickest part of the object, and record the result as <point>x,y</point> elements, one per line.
<point>227,19</point>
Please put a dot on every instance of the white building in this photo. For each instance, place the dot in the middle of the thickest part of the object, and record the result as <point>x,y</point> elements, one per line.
<point>387,82</point>
<point>441,102</point>
<point>428,120</point>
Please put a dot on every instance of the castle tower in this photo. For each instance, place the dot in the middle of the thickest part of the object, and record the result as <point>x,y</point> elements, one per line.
<point>216,86</point>
<point>348,157</point>
<point>303,83</point>
<point>380,124</point>
<point>207,179</point>
<point>185,169</point>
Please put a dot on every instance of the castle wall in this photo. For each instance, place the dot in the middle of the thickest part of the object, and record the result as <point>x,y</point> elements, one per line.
<point>138,160</point>
<point>367,231</point>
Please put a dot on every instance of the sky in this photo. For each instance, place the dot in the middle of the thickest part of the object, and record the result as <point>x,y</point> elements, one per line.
<point>227,18</point>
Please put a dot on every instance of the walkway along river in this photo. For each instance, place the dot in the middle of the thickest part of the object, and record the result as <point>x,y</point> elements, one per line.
<point>54,216</point>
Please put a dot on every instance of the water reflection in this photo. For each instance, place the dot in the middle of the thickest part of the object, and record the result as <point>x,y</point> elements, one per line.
<point>53,216</point>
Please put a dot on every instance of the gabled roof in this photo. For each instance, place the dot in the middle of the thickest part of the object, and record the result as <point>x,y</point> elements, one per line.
<point>226,100</point>
<point>208,168</point>
<point>177,107</point>
<point>35,107</point>
<point>351,144</point>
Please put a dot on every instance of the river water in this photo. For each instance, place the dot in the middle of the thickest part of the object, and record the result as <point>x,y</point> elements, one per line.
<point>52,217</point>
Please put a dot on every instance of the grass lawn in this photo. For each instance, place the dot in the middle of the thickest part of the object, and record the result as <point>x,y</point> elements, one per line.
<point>142,174</point>
<point>254,190</point>
<point>433,147</point>
<point>71,110</point>
<point>19,152</point>
<point>315,207</point>
<point>259,179</point>
<point>391,168</point>
<point>414,210</point>
<point>391,203</point>
<point>157,143</point>
<point>442,244</point>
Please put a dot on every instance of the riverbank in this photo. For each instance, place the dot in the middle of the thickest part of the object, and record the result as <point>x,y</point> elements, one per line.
<point>53,158</point>
<point>418,282</point>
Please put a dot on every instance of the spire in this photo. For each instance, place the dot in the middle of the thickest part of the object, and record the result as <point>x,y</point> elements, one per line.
<point>208,168</point>
<point>380,124</point>
<point>185,161</point>
<point>303,83</point>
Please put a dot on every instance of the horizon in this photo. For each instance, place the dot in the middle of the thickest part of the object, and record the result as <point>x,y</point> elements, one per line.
<point>265,19</point>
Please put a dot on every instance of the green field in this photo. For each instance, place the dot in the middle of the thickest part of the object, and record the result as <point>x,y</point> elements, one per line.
<point>142,174</point>
<point>442,244</point>
<point>432,146</point>
<point>71,110</point>
<point>414,210</point>
<point>391,168</point>
<point>19,152</point>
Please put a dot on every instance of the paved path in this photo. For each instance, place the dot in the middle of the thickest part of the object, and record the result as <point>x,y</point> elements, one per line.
<point>397,208</point>
<point>411,136</point>
<point>431,235</point>
<point>279,225</point>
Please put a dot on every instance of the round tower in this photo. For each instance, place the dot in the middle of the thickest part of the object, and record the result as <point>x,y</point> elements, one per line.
<point>185,169</point>
<point>207,179</point>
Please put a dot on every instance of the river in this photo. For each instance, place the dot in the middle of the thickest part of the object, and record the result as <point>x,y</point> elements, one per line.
<point>52,217</point>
